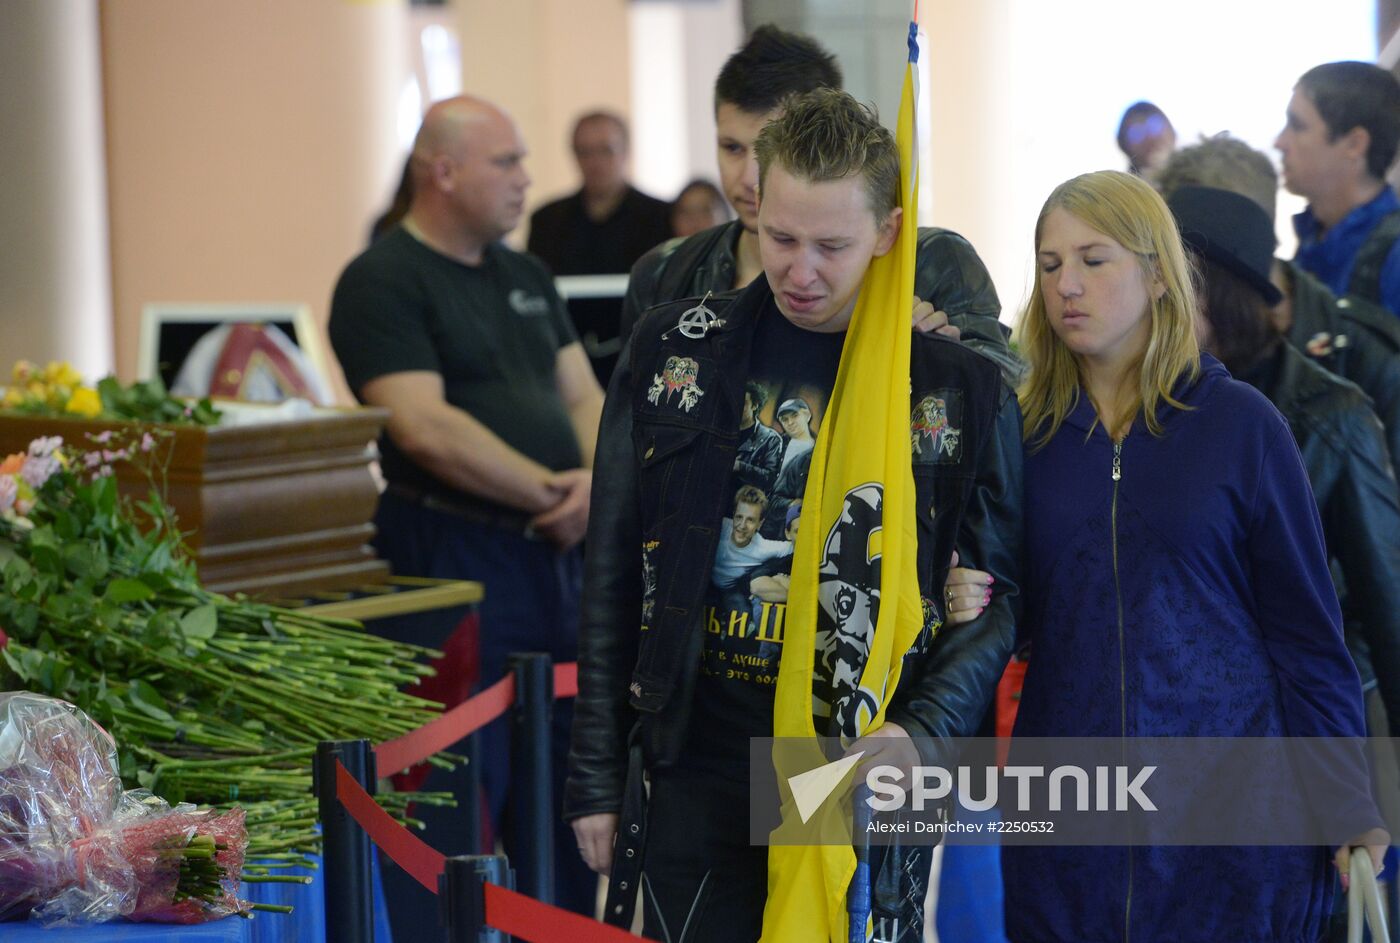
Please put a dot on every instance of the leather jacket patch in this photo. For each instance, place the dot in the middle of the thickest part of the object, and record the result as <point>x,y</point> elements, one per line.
<point>936,428</point>
<point>677,383</point>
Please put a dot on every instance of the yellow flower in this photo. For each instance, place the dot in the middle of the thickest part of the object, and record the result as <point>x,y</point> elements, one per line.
<point>61,373</point>
<point>14,396</point>
<point>84,402</point>
<point>23,371</point>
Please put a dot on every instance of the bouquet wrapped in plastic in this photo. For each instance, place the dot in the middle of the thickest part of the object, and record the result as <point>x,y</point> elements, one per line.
<point>76,849</point>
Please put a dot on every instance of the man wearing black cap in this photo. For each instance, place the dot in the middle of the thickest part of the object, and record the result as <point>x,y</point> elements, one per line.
<point>796,419</point>
<point>1336,431</point>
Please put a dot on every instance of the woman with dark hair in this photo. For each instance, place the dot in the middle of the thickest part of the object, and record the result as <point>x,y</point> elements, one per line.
<point>699,207</point>
<point>1338,434</point>
<point>1176,573</point>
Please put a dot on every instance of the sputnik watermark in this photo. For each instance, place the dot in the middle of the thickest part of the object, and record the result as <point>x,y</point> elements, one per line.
<point>1112,788</point>
<point>1179,791</point>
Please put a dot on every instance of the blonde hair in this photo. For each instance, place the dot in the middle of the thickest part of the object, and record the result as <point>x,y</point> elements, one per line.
<point>825,134</point>
<point>1131,213</point>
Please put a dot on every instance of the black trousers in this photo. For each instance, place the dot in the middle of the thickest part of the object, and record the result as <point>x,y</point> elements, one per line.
<point>702,882</point>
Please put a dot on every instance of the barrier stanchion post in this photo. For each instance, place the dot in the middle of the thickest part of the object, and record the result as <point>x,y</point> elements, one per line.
<point>345,846</point>
<point>462,897</point>
<point>532,795</point>
<point>473,801</point>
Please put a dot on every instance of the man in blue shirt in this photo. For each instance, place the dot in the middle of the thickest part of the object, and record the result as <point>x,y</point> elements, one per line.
<point>1340,139</point>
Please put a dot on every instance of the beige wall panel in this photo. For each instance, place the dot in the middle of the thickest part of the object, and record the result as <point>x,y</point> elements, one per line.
<point>249,145</point>
<point>547,62</point>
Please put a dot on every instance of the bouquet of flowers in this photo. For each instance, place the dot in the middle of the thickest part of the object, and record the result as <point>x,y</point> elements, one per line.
<point>211,699</point>
<point>76,849</point>
<point>58,390</point>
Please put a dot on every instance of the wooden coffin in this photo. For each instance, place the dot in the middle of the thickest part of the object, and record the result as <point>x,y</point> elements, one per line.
<point>274,509</point>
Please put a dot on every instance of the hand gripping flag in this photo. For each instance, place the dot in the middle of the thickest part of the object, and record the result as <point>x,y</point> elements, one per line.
<point>854,598</point>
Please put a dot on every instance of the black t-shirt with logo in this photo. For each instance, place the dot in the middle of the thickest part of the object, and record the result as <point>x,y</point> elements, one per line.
<point>791,374</point>
<point>492,331</point>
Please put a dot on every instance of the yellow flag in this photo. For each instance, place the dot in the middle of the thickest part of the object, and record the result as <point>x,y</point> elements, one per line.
<point>863,587</point>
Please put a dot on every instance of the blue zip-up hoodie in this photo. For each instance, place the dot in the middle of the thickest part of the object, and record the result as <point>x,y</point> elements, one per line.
<point>1188,598</point>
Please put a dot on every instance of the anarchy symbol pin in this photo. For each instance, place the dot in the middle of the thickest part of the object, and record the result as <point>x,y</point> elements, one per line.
<point>696,322</point>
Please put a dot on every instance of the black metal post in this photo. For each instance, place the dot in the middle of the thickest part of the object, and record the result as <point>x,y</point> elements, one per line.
<point>462,897</point>
<point>531,836</point>
<point>345,869</point>
<point>473,794</point>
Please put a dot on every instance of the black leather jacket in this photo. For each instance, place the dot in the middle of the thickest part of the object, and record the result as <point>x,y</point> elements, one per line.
<point>1354,339</point>
<point>1340,440</point>
<point>948,273</point>
<point>660,476</point>
<point>658,499</point>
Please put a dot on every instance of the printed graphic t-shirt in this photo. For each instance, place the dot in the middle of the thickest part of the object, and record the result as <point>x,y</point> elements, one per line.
<point>747,599</point>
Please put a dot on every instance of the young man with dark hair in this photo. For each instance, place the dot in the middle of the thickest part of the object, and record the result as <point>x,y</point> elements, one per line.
<point>760,451</point>
<point>1338,144</point>
<point>675,680</point>
<point>955,288</point>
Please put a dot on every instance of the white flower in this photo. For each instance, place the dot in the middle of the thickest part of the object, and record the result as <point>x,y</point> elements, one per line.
<point>44,446</point>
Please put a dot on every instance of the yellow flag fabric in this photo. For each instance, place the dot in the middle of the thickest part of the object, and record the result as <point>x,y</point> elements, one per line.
<point>861,484</point>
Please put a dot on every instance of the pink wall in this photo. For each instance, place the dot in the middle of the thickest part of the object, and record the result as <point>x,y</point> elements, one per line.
<point>249,146</point>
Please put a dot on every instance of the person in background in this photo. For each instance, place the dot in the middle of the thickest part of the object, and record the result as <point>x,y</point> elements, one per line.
<point>1340,140</point>
<point>1349,336</point>
<point>489,448</point>
<point>1138,450</point>
<point>955,295</point>
<point>1147,137</point>
<point>699,206</point>
<point>607,225</point>
<point>398,206</point>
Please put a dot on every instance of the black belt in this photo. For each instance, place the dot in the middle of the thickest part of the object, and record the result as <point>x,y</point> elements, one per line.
<point>626,875</point>
<point>492,515</point>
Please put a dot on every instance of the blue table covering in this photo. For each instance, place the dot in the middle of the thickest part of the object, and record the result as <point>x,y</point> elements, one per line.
<point>306,924</point>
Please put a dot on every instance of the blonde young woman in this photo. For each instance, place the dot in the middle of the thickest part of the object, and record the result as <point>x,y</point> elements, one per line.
<point>1175,571</point>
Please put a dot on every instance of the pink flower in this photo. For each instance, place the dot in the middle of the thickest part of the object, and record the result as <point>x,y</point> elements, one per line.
<point>38,469</point>
<point>92,459</point>
<point>102,438</point>
<point>104,472</point>
<point>117,456</point>
<point>9,490</point>
<point>44,446</point>
<point>147,443</point>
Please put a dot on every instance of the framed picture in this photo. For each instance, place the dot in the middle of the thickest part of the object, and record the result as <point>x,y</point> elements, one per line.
<point>171,332</point>
<point>595,307</point>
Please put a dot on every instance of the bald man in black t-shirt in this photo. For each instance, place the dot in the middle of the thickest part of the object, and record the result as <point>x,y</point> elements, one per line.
<point>490,444</point>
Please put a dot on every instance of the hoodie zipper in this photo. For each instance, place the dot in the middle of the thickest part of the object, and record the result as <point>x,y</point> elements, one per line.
<point>1122,661</point>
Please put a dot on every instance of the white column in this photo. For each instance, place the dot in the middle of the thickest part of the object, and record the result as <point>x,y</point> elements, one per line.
<point>55,284</point>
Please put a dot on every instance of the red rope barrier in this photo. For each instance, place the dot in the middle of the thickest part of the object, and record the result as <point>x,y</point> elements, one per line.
<point>406,849</point>
<point>466,718</point>
<point>527,919</point>
<point>440,733</point>
<point>516,914</point>
<point>566,680</point>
